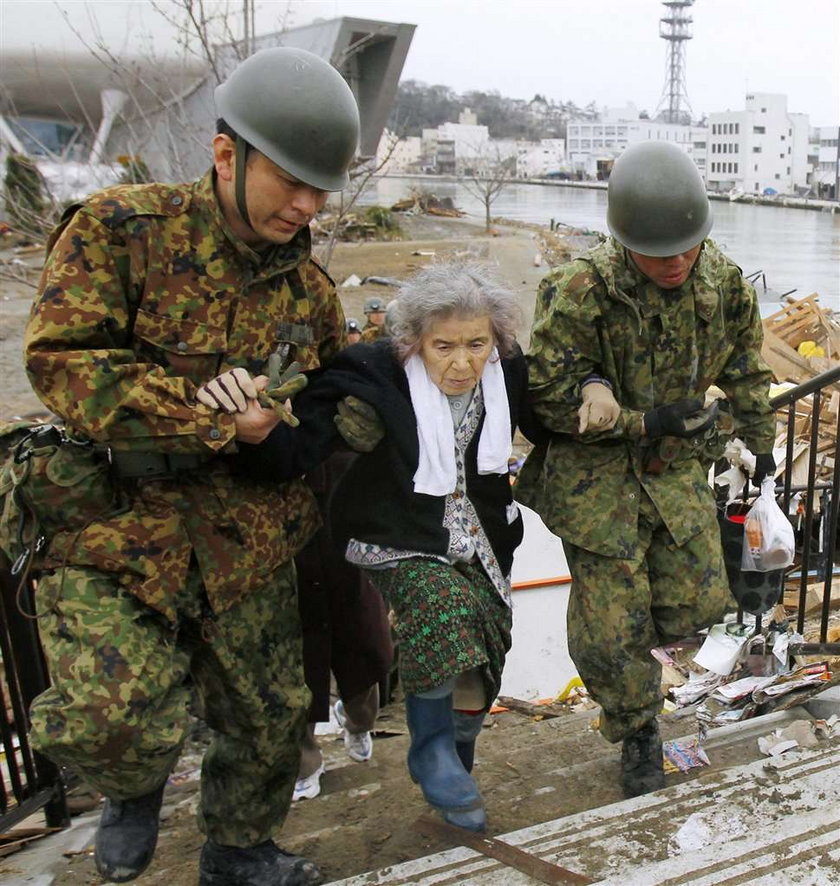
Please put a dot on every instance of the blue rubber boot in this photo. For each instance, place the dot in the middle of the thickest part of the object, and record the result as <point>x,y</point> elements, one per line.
<point>467,728</point>
<point>434,763</point>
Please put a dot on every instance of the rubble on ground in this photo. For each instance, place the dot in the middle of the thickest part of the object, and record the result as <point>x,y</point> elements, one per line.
<point>423,202</point>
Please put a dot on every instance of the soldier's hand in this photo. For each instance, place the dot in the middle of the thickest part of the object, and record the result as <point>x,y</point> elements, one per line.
<point>685,418</point>
<point>359,424</point>
<point>278,398</point>
<point>291,382</point>
<point>231,391</point>
<point>254,424</point>
<point>600,409</point>
<point>765,466</point>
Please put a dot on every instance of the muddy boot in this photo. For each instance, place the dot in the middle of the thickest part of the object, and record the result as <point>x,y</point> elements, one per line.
<point>127,836</point>
<point>467,727</point>
<point>262,865</point>
<point>434,764</point>
<point>641,761</point>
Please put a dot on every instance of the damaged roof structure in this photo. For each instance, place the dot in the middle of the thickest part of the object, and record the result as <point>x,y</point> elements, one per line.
<point>91,108</point>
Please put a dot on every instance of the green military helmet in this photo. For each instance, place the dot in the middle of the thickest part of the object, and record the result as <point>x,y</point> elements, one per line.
<point>374,305</point>
<point>656,200</point>
<point>297,109</point>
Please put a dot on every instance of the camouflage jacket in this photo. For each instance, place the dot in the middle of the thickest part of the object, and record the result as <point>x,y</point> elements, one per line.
<point>146,294</point>
<point>600,314</point>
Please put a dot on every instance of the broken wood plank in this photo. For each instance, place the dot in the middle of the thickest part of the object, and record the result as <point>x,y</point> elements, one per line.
<point>507,854</point>
<point>530,709</point>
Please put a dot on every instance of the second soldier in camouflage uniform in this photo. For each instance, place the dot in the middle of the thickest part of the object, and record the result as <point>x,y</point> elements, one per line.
<point>158,305</point>
<point>654,316</point>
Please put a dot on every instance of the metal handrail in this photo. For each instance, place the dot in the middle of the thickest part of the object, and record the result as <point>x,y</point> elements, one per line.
<point>818,382</point>
<point>814,388</point>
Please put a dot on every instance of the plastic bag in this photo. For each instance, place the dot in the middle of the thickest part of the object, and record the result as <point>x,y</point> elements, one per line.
<point>768,535</point>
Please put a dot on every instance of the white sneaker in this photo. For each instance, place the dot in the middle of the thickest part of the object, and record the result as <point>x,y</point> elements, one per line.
<point>359,745</point>
<point>308,788</point>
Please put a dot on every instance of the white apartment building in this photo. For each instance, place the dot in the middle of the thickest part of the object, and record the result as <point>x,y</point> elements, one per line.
<point>592,146</point>
<point>445,148</point>
<point>538,159</point>
<point>825,161</point>
<point>403,155</point>
<point>760,149</point>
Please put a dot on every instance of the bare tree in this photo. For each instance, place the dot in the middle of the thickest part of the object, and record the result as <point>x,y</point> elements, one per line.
<point>486,177</point>
<point>361,176</point>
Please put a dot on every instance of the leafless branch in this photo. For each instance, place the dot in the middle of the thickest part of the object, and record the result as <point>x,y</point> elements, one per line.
<point>360,177</point>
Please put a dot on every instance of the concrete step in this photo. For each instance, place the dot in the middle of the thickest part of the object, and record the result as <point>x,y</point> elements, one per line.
<point>759,820</point>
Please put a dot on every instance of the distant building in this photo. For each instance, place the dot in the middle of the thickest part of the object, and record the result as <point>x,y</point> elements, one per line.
<point>399,155</point>
<point>763,148</point>
<point>825,162</point>
<point>447,148</point>
<point>540,159</point>
<point>592,146</point>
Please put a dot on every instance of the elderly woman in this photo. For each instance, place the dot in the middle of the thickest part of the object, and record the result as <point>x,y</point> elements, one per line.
<point>428,513</point>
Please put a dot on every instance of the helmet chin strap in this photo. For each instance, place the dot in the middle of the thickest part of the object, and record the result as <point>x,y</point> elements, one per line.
<point>239,186</point>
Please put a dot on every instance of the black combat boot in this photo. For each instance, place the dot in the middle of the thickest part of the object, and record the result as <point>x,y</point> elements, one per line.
<point>127,836</point>
<point>261,865</point>
<point>641,761</point>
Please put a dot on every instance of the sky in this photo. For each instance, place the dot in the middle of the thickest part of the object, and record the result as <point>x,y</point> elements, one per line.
<point>606,51</point>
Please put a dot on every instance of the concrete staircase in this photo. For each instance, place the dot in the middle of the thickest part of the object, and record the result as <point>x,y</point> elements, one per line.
<point>747,819</point>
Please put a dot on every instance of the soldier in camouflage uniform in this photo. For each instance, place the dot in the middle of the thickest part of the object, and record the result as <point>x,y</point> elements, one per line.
<point>158,306</point>
<point>374,309</point>
<point>637,329</point>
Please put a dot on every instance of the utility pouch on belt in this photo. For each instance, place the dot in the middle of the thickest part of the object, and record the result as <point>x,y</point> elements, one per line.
<point>708,446</point>
<point>50,481</point>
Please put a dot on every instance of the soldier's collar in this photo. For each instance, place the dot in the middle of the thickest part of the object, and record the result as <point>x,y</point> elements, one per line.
<point>275,257</point>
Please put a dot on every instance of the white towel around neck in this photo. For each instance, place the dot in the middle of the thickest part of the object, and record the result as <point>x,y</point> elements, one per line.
<point>436,473</point>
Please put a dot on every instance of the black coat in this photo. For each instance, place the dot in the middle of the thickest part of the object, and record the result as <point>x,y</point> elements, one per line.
<point>375,500</point>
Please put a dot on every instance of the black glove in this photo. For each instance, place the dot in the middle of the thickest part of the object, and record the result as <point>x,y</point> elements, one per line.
<point>765,466</point>
<point>685,418</point>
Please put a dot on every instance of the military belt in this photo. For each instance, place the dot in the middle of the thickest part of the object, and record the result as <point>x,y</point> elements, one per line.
<point>154,465</point>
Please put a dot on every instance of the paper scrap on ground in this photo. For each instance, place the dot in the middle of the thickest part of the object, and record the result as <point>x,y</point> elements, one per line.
<point>799,734</point>
<point>682,754</point>
<point>721,649</point>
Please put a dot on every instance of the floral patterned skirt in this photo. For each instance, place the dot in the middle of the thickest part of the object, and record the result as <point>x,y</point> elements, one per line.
<point>449,619</point>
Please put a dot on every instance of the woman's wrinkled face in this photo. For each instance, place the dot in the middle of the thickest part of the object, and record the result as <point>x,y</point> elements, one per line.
<point>455,350</point>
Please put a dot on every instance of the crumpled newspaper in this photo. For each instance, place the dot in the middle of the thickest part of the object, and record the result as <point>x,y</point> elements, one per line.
<point>799,734</point>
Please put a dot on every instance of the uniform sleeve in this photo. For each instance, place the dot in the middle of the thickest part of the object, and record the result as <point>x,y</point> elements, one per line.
<point>565,349</point>
<point>79,360</point>
<point>746,377</point>
<point>328,321</point>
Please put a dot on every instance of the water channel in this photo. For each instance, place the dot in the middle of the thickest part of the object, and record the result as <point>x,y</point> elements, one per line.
<point>796,249</point>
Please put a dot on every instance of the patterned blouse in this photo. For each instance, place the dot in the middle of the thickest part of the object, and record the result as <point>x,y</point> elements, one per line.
<point>467,539</point>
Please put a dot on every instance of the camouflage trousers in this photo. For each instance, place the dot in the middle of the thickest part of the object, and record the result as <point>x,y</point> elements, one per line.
<point>620,609</point>
<point>124,681</point>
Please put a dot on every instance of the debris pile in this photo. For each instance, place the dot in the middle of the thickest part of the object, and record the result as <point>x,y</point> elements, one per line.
<point>423,202</point>
<point>801,340</point>
<point>370,223</point>
<point>737,674</point>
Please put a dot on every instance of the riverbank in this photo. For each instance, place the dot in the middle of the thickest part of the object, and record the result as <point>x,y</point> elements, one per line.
<point>778,200</point>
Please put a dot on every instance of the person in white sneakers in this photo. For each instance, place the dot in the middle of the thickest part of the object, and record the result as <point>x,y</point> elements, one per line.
<point>346,635</point>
